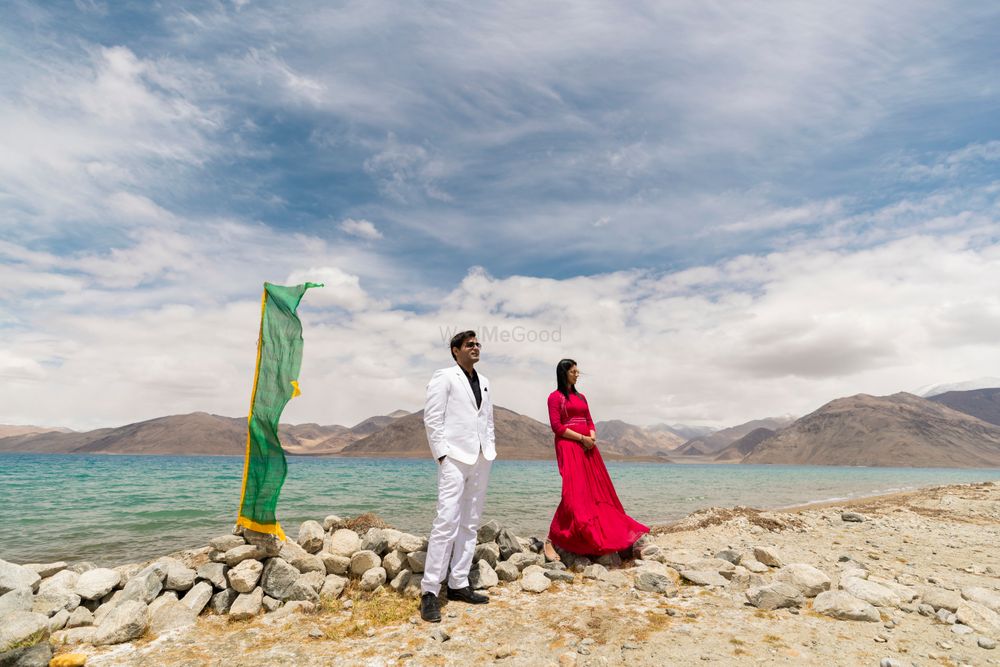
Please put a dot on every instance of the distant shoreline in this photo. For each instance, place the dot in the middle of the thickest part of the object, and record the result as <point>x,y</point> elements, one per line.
<point>678,460</point>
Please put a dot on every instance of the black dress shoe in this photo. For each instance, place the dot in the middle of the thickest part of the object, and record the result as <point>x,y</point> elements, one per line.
<point>430,609</point>
<point>466,595</point>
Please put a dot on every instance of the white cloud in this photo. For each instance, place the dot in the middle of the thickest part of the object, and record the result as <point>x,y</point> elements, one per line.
<point>361,228</point>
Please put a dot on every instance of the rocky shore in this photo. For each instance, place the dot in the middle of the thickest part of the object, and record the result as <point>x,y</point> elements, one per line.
<point>908,579</point>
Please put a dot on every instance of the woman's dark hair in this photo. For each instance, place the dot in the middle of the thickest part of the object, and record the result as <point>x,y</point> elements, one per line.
<point>458,340</point>
<point>562,377</point>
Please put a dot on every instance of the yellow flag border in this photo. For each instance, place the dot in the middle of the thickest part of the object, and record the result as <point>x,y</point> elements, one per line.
<point>270,528</point>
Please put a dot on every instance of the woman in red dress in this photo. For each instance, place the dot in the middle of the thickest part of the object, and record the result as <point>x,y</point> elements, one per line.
<point>590,519</point>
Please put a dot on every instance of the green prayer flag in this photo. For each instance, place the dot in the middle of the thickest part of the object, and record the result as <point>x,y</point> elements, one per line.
<point>279,357</point>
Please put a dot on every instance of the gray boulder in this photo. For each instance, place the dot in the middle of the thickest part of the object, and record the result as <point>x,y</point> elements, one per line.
<point>38,655</point>
<point>377,540</point>
<point>393,562</point>
<point>198,597</point>
<point>58,621</point>
<point>81,617</point>
<point>525,559</point>
<point>730,555</point>
<point>309,563</point>
<point>53,601</point>
<point>127,621</point>
<point>62,581</point>
<point>333,586</point>
<point>214,573</point>
<point>560,575</point>
<point>871,592</point>
<point>852,517</point>
<point>940,598</point>
<point>844,606</point>
<point>979,617</point>
<point>653,581</point>
<point>609,560</point>
<point>703,577</point>
<point>303,590</point>
<point>507,571</point>
<point>95,584</point>
<point>179,577</point>
<point>767,555</point>
<point>311,536</point>
<point>415,561</point>
<point>313,580</point>
<point>343,542</point>
<point>775,595</point>
<point>810,581</point>
<point>244,577</point>
<point>278,578</point>
<point>362,561</point>
<point>489,552</point>
<point>22,628</point>
<point>595,571</point>
<point>330,521</point>
<point>398,582</point>
<point>984,596</point>
<point>410,543</point>
<point>145,586</point>
<point>535,582</point>
<point>223,601</point>
<point>373,578</point>
<point>270,604</point>
<point>19,599</point>
<point>335,564</point>
<point>13,576</point>
<point>47,569</point>
<point>248,605</point>
<point>483,576</point>
<point>488,532</point>
<point>224,543</point>
<point>507,541</point>
<point>237,555</point>
<point>170,616</point>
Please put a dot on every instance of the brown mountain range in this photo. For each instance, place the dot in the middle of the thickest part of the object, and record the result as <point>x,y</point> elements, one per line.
<point>630,440</point>
<point>518,437</point>
<point>198,433</point>
<point>10,430</point>
<point>898,430</point>
<point>719,440</point>
<point>735,452</point>
<point>981,403</point>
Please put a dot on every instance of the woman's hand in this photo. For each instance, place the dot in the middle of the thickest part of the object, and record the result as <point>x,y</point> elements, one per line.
<point>587,442</point>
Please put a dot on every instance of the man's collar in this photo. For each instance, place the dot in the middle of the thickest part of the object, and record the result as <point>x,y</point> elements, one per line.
<point>473,375</point>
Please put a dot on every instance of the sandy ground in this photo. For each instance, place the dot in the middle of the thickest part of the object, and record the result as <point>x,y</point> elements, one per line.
<point>942,537</point>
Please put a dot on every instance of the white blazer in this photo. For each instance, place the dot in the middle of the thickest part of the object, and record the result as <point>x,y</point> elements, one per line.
<point>455,428</point>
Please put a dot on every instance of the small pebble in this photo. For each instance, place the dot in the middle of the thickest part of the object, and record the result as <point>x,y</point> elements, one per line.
<point>960,629</point>
<point>440,635</point>
<point>504,651</point>
<point>315,633</point>
<point>945,645</point>
<point>987,643</point>
<point>347,604</point>
<point>881,639</point>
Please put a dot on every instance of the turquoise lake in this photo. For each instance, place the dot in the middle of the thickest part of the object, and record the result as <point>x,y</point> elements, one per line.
<point>115,509</point>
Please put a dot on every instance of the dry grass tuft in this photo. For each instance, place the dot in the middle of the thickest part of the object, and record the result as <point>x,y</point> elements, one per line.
<point>370,611</point>
<point>361,523</point>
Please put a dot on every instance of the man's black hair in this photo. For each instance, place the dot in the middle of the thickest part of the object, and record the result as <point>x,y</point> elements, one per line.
<point>458,340</point>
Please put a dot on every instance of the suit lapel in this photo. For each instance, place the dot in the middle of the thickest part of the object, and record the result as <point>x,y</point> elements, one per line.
<point>464,379</point>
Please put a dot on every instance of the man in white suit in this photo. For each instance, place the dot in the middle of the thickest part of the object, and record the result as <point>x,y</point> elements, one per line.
<point>458,416</point>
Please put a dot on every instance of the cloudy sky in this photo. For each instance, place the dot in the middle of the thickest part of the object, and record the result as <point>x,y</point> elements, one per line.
<point>722,211</point>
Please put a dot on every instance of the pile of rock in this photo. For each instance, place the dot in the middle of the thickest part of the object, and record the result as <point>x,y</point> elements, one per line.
<point>245,575</point>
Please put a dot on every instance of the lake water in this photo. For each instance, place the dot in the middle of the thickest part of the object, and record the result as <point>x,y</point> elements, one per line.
<point>116,509</point>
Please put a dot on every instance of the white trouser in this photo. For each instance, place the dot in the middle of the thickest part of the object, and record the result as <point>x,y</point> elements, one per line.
<point>461,495</point>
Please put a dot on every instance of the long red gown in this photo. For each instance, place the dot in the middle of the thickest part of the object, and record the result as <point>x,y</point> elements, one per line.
<point>590,520</point>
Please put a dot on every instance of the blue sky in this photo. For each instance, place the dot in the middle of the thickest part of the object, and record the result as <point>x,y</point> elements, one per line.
<point>752,209</point>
